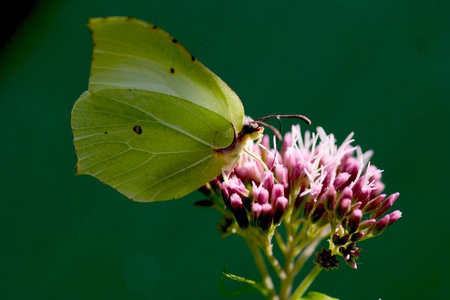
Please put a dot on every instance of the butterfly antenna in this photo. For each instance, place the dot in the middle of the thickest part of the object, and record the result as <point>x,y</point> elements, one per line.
<point>301,117</point>
<point>274,130</point>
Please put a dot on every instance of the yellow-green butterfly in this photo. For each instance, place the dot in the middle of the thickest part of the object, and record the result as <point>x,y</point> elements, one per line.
<point>155,123</point>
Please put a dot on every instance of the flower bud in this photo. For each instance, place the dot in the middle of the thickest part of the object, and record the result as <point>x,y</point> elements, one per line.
<point>384,206</point>
<point>267,181</point>
<point>237,207</point>
<point>341,181</point>
<point>351,166</point>
<point>378,188</point>
<point>277,191</point>
<point>367,224</point>
<point>394,216</point>
<point>353,220</point>
<point>281,173</point>
<point>225,194</point>
<point>287,142</point>
<point>340,241</point>
<point>343,208</point>
<point>363,197</point>
<point>234,185</point>
<point>290,158</point>
<point>297,175</point>
<point>330,200</point>
<point>351,252</point>
<point>357,236</point>
<point>352,263</point>
<point>255,213</point>
<point>250,170</point>
<point>279,208</point>
<point>243,171</point>
<point>263,196</point>
<point>380,226</point>
<point>372,204</point>
<point>346,193</point>
<point>265,218</point>
<point>236,202</point>
<point>255,191</point>
<point>375,173</point>
<point>358,187</point>
<point>266,141</point>
<point>272,158</point>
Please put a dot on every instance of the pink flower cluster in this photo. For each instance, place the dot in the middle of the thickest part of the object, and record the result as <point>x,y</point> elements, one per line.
<point>310,178</point>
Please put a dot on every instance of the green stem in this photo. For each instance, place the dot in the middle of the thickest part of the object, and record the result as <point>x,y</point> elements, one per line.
<point>289,257</point>
<point>304,285</point>
<point>309,250</point>
<point>261,265</point>
<point>273,261</point>
<point>280,242</point>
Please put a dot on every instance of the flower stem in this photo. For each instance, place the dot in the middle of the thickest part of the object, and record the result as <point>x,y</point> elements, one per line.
<point>274,262</point>
<point>261,265</point>
<point>309,250</point>
<point>304,285</point>
<point>289,257</point>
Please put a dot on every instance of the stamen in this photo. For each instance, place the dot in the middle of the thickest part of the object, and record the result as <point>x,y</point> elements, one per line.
<point>257,158</point>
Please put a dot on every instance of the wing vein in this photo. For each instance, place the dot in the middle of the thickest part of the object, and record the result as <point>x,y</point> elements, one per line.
<point>171,175</point>
<point>164,123</point>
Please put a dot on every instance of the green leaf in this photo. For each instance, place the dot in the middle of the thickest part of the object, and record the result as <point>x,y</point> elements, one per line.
<point>148,146</point>
<point>253,285</point>
<point>317,296</point>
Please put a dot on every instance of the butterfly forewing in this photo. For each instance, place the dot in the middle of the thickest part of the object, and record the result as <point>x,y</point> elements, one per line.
<point>130,53</point>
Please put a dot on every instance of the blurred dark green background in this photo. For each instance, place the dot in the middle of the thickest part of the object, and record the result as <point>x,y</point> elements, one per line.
<point>379,68</point>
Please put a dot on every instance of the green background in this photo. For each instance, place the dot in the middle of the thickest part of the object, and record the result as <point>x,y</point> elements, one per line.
<point>378,68</point>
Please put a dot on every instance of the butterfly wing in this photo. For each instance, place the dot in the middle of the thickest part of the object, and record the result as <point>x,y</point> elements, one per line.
<point>130,53</point>
<point>149,146</point>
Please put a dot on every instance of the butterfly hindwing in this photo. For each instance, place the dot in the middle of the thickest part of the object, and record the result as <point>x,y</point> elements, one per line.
<point>149,146</point>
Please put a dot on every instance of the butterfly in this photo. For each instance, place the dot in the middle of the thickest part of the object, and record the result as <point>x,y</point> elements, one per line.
<point>155,123</point>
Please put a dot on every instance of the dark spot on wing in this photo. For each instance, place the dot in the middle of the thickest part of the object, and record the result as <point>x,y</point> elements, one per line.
<point>192,57</point>
<point>106,132</point>
<point>172,70</point>
<point>174,40</point>
<point>137,129</point>
<point>154,26</point>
